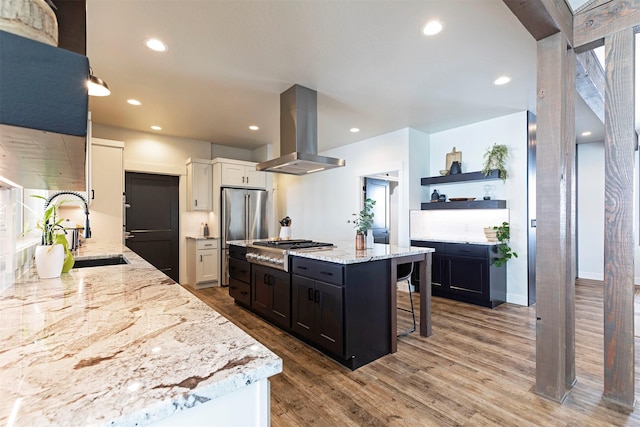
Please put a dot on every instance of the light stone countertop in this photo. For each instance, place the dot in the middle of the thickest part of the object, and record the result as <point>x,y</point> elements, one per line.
<point>467,242</point>
<point>345,252</point>
<point>202,237</point>
<point>116,345</point>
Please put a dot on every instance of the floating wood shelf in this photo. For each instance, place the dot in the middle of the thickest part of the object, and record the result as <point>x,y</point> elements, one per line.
<point>476,204</point>
<point>459,177</point>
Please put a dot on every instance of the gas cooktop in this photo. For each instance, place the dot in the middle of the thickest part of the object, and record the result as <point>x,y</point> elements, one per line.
<point>292,244</point>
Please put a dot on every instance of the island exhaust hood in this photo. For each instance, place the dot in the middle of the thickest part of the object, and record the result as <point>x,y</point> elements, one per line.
<point>299,136</point>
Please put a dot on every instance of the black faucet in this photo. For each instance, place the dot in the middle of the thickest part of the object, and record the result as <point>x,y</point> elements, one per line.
<point>87,229</point>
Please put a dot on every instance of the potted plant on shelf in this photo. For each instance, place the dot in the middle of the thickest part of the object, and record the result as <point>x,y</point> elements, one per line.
<point>500,233</point>
<point>363,222</point>
<point>53,256</point>
<point>495,158</point>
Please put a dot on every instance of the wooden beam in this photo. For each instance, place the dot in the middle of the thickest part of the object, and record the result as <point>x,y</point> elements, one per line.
<point>590,82</point>
<point>619,247</point>
<point>543,18</point>
<point>591,26</point>
<point>551,204</point>
<point>569,145</point>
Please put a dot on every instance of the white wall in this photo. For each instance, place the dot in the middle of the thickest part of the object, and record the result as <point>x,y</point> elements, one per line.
<point>473,140</point>
<point>590,210</point>
<point>321,204</point>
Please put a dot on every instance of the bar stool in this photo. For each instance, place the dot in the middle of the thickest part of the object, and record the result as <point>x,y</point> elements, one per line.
<point>404,273</point>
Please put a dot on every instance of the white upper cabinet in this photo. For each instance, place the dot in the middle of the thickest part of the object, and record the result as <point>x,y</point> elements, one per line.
<point>240,174</point>
<point>199,185</point>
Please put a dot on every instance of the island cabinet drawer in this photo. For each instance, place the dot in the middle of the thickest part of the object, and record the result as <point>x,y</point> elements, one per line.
<point>476,251</point>
<point>240,291</point>
<point>206,244</point>
<point>318,270</point>
<point>239,269</point>
<point>239,252</point>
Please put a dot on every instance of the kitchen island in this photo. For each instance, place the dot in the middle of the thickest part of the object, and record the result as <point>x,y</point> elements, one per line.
<point>337,299</point>
<point>125,345</point>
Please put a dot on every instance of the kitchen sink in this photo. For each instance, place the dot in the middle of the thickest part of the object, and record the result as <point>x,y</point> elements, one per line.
<point>100,262</point>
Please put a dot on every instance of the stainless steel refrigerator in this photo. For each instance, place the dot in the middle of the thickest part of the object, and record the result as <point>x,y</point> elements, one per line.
<point>243,217</point>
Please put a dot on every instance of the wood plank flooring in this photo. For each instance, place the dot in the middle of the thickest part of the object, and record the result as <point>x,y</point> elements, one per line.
<point>477,369</point>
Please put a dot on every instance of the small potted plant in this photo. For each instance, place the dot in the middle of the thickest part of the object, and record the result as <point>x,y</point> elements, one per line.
<point>495,158</point>
<point>504,251</point>
<point>53,256</point>
<point>363,222</point>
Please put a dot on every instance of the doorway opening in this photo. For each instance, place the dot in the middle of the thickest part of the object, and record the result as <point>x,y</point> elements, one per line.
<point>383,188</point>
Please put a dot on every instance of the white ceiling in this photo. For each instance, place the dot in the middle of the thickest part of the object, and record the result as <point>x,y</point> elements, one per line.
<point>228,61</point>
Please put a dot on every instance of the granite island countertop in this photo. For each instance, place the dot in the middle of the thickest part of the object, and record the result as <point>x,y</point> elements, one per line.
<point>345,252</point>
<point>116,345</point>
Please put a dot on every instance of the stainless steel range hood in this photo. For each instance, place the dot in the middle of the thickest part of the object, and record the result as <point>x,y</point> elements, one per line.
<point>299,136</point>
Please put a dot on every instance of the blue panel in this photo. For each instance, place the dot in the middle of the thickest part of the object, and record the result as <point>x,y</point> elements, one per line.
<point>42,87</point>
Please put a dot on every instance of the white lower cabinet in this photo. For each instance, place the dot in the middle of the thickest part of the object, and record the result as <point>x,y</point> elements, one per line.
<point>202,262</point>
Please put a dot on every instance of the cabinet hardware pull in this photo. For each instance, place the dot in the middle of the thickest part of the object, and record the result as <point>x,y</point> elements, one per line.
<point>247,180</point>
<point>301,267</point>
<point>310,294</point>
<point>196,200</point>
<point>272,280</point>
<point>317,298</point>
<point>265,280</point>
<point>326,273</point>
<point>244,292</point>
<point>200,258</point>
<point>93,195</point>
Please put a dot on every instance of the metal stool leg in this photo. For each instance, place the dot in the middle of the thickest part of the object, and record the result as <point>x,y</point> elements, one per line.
<point>412,311</point>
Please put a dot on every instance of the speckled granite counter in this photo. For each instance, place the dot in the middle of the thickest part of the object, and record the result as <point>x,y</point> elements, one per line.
<point>346,253</point>
<point>116,345</point>
<point>467,242</point>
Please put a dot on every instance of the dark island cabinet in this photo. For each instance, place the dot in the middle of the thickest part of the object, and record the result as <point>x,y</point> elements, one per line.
<point>342,309</point>
<point>239,276</point>
<point>271,294</point>
<point>464,272</point>
<point>317,313</point>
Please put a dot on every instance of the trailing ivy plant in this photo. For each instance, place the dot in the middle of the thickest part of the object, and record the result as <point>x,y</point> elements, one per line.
<point>505,253</point>
<point>496,158</point>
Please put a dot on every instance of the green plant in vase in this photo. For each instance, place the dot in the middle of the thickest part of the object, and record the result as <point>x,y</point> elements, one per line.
<point>364,219</point>
<point>53,232</point>
<point>363,222</point>
<point>505,253</point>
<point>495,158</point>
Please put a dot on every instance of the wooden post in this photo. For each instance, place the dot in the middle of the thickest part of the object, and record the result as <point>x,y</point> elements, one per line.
<point>554,106</point>
<point>569,141</point>
<point>619,245</point>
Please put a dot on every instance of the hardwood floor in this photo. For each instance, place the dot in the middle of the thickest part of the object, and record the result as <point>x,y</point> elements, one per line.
<point>478,368</point>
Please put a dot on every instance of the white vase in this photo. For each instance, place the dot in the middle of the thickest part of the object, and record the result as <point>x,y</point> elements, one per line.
<point>49,261</point>
<point>369,239</point>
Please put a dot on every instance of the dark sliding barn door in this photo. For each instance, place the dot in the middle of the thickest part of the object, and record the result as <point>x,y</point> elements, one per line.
<point>152,220</point>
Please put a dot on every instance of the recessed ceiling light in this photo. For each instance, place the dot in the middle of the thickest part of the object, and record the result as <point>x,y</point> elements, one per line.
<point>354,130</point>
<point>254,127</point>
<point>587,133</point>
<point>432,28</point>
<point>154,127</point>
<point>155,44</point>
<point>134,102</point>
<point>503,80</point>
